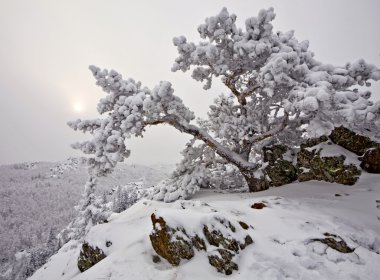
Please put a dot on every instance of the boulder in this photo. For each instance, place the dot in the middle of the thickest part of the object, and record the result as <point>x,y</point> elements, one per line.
<point>352,141</point>
<point>312,166</point>
<point>172,244</point>
<point>279,170</point>
<point>371,161</point>
<point>89,256</point>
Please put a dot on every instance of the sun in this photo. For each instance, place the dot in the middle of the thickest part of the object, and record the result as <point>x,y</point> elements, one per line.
<point>78,107</point>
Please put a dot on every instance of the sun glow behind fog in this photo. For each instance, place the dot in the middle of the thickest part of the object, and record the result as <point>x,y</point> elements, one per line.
<point>78,107</point>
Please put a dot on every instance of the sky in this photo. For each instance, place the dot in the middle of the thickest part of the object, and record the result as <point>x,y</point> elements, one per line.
<point>46,47</point>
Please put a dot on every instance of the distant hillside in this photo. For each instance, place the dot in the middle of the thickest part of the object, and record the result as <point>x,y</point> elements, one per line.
<point>37,197</point>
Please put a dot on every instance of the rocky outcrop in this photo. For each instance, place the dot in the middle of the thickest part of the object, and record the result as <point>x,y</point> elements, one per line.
<point>175,243</point>
<point>89,256</point>
<point>352,141</point>
<point>172,244</point>
<point>371,161</point>
<point>221,259</point>
<point>312,163</point>
<point>312,166</point>
<point>216,238</point>
<point>279,170</point>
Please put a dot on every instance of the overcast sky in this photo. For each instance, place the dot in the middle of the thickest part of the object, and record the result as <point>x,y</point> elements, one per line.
<point>46,47</point>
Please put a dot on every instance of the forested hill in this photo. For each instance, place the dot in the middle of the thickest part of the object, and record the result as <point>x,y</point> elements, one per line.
<point>38,199</point>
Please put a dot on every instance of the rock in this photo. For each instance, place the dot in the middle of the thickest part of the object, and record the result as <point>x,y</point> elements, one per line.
<point>312,166</point>
<point>258,205</point>
<point>174,244</point>
<point>89,256</point>
<point>243,225</point>
<point>198,243</point>
<point>216,238</point>
<point>351,141</point>
<point>335,242</point>
<point>221,259</point>
<point>256,184</point>
<point>169,245</point>
<point>371,161</point>
<point>279,170</point>
<point>156,259</point>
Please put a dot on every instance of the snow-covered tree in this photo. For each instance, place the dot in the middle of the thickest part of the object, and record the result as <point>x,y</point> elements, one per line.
<point>91,211</point>
<point>276,92</point>
<point>125,196</point>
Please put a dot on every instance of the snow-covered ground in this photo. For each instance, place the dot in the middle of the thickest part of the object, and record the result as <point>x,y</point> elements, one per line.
<point>282,235</point>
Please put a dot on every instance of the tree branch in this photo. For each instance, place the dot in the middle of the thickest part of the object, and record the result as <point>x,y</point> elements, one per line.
<point>202,135</point>
<point>273,131</point>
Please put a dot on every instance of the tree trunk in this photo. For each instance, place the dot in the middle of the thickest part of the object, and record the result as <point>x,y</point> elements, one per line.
<point>254,184</point>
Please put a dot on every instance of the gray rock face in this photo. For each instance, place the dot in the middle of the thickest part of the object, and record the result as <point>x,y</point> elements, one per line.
<point>89,256</point>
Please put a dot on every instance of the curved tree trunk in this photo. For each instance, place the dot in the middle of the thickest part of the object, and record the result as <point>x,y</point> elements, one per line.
<point>246,168</point>
<point>254,184</point>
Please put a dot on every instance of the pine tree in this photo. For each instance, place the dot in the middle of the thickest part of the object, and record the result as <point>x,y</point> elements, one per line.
<point>277,92</point>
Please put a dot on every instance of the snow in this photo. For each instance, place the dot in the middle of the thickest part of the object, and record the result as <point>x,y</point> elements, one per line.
<point>282,234</point>
<point>328,149</point>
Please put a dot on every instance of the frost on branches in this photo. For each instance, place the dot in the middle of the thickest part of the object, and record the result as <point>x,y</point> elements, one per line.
<point>276,92</point>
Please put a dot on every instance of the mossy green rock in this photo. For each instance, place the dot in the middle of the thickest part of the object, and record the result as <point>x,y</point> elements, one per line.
<point>312,166</point>
<point>279,170</point>
<point>351,141</point>
<point>174,244</point>
<point>89,256</point>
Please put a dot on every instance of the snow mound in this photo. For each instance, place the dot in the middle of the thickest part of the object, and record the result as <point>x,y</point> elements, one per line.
<point>285,235</point>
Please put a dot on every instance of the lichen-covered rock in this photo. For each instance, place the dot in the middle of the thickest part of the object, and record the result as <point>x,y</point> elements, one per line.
<point>214,232</point>
<point>371,161</point>
<point>335,242</point>
<point>172,244</point>
<point>216,238</point>
<point>312,166</point>
<point>221,259</point>
<point>351,141</point>
<point>89,256</point>
<point>279,170</point>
